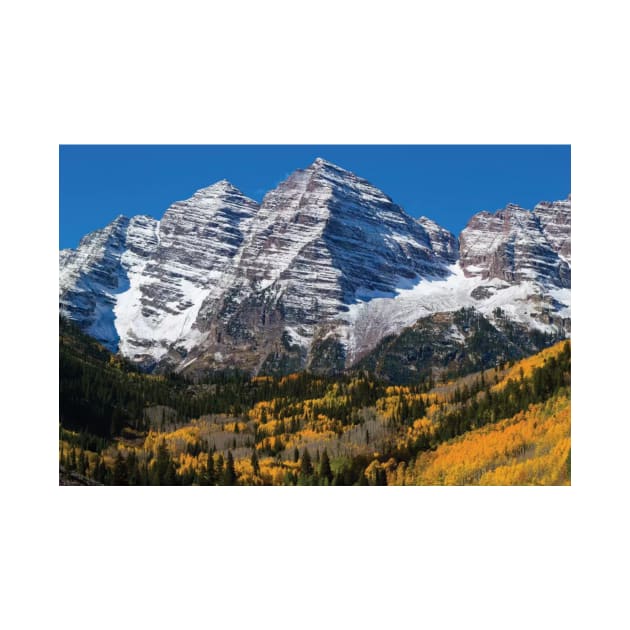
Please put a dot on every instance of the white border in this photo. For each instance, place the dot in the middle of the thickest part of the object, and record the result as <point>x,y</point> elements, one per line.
<point>485,72</point>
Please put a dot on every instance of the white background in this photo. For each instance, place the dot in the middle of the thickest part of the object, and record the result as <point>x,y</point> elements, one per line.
<point>318,72</point>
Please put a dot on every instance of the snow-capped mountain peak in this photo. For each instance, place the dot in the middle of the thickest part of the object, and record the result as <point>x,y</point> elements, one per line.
<point>327,260</point>
<point>222,187</point>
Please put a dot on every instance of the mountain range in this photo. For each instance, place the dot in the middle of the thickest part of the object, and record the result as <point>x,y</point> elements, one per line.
<point>326,273</point>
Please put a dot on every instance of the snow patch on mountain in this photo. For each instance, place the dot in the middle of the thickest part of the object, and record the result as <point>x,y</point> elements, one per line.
<point>165,326</point>
<point>365,323</point>
<point>138,284</point>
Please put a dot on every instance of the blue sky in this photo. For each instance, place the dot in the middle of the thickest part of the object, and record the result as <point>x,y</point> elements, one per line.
<point>447,183</point>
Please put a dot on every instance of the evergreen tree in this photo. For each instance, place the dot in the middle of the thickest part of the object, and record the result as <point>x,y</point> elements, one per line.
<point>306,466</point>
<point>170,476</point>
<point>229,476</point>
<point>117,422</point>
<point>121,476</point>
<point>254,461</point>
<point>219,473</point>
<point>82,463</point>
<point>277,445</point>
<point>107,475</point>
<point>132,469</point>
<point>143,473</point>
<point>325,472</point>
<point>187,477</point>
<point>163,469</point>
<point>210,477</point>
<point>99,472</point>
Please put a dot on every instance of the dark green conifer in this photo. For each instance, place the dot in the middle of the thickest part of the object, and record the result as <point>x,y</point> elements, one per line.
<point>325,472</point>
<point>229,476</point>
<point>254,461</point>
<point>121,476</point>
<point>306,466</point>
<point>210,476</point>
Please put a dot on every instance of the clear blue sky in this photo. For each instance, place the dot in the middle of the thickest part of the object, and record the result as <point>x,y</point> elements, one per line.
<point>447,183</point>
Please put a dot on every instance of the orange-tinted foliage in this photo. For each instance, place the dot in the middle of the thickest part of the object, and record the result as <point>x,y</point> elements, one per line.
<point>532,447</point>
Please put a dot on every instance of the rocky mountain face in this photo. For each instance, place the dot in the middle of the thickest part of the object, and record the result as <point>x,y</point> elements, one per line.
<point>198,240</point>
<point>322,240</point>
<point>92,277</point>
<point>138,284</point>
<point>442,241</point>
<point>313,277</point>
<point>453,343</point>
<point>555,222</point>
<point>517,245</point>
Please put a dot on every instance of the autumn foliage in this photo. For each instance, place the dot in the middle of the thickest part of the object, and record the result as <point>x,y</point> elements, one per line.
<point>506,426</point>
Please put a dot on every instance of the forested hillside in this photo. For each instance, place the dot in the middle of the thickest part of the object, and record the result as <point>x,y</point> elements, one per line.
<point>506,425</point>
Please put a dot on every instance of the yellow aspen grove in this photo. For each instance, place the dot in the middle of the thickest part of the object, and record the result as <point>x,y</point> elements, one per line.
<point>532,447</point>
